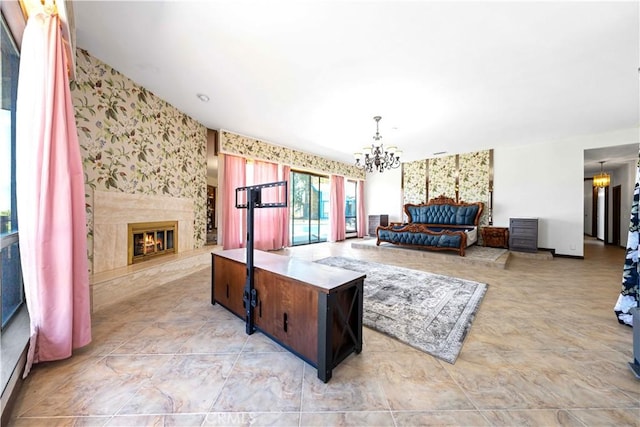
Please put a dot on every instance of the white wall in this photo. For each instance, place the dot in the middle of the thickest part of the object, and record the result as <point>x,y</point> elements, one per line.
<point>383,194</point>
<point>545,181</point>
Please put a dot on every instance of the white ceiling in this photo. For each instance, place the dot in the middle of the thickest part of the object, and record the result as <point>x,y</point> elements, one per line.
<point>445,76</point>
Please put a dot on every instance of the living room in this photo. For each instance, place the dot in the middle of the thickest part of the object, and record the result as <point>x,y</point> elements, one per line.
<point>542,178</point>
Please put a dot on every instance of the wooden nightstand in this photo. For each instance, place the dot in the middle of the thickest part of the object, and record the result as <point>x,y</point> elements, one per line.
<point>495,237</point>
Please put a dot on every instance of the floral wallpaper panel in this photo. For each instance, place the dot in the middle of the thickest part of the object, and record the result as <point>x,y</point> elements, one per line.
<point>414,178</point>
<point>134,142</point>
<point>231,143</point>
<point>442,178</point>
<point>474,180</point>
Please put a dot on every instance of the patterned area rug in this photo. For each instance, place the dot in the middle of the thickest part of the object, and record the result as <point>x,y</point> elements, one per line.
<point>430,312</point>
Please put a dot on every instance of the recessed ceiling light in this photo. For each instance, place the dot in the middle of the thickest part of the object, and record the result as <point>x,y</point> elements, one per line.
<point>202,97</point>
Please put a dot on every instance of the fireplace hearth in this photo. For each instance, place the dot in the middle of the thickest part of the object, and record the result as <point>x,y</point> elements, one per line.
<point>149,240</point>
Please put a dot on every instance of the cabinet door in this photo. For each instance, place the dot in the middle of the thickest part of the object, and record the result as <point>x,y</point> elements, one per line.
<point>229,279</point>
<point>288,311</point>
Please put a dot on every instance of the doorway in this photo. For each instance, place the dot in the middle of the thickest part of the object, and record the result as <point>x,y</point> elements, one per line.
<point>309,208</point>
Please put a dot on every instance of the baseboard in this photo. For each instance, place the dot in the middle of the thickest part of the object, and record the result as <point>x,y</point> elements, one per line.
<point>568,256</point>
<point>557,255</point>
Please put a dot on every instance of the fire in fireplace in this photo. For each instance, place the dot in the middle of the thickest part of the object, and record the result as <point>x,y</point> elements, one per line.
<point>151,239</point>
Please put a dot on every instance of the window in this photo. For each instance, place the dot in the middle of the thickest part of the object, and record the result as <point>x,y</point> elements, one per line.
<point>350,206</point>
<point>309,208</point>
<point>11,272</point>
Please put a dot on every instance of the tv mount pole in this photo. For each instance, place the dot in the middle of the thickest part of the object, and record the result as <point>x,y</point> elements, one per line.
<point>254,201</point>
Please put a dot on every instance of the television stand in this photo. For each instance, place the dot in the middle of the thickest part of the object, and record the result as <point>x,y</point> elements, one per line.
<point>313,310</point>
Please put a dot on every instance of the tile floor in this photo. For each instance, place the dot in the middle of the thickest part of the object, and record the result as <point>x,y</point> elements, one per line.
<point>544,350</point>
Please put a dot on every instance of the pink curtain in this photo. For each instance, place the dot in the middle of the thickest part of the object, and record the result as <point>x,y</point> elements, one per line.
<point>267,226</point>
<point>362,218</point>
<point>233,220</point>
<point>336,215</point>
<point>50,198</point>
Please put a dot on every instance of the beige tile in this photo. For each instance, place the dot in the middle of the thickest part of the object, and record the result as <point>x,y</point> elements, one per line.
<point>262,381</point>
<point>101,389</point>
<point>491,382</point>
<point>185,384</point>
<point>61,422</point>
<point>351,388</point>
<point>160,338</point>
<point>346,419</point>
<point>258,419</point>
<point>535,417</point>
<point>222,337</point>
<point>187,420</point>
<point>608,417</point>
<point>260,343</point>
<point>417,382</point>
<point>439,418</point>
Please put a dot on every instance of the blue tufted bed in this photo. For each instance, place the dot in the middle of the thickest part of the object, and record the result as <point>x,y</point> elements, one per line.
<point>440,224</point>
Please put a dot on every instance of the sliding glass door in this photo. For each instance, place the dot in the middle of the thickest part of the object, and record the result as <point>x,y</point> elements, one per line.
<point>309,208</point>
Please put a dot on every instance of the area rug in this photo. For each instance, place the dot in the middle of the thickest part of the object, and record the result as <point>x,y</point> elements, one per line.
<point>430,312</point>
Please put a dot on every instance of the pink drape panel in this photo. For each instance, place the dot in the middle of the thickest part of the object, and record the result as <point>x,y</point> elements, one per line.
<point>362,218</point>
<point>267,226</point>
<point>50,198</point>
<point>233,219</point>
<point>336,216</point>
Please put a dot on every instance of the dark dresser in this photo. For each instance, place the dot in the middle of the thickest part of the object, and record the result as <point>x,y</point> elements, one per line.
<point>523,234</point>
<point>376,220</point>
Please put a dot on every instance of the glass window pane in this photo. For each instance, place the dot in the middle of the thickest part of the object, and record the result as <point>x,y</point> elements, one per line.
<point>350,207</point>
<point>169,239</point>
<point>12,291</point>
<point>9,62</point>
<point>309,208</point>
<point>11,272</point>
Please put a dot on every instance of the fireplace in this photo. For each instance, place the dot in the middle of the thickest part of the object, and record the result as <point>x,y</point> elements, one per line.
<point>152,239</point>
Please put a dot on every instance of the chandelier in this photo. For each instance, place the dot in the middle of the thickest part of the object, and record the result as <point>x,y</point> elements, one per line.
<point>377,157</point>
<point>602,179</point>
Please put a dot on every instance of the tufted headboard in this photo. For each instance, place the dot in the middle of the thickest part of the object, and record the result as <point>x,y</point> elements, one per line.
<point>444,211</point>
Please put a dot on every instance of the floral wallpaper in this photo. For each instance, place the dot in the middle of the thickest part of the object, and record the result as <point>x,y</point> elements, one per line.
<point>414,178</point>
<point>442,177</point>
<point>473,171</point>
<point>243,146</point>
<point>474,180</point>
<point>134,142</point>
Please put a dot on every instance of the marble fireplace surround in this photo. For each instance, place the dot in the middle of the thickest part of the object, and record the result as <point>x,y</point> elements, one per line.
<point>113,211</point>
<point>113,280</point>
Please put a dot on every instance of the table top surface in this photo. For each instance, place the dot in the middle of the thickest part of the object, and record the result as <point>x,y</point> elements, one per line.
<point>324,277</point>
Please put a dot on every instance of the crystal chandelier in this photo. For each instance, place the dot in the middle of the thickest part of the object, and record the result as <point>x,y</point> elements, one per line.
<point>377,157</point>
<point>602,179</point>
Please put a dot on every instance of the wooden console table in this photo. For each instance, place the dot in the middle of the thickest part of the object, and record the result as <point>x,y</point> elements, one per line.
<point>311,309</point>
<point>495,237</point>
